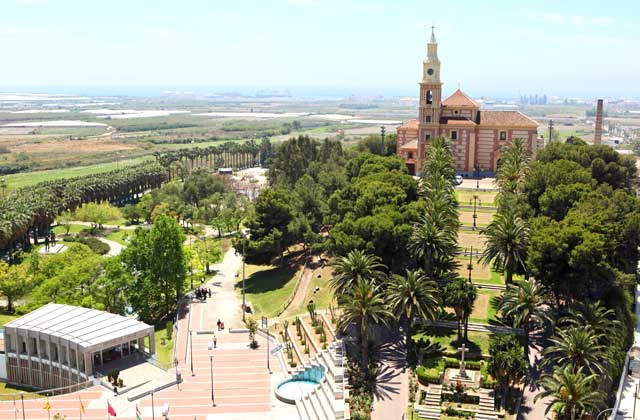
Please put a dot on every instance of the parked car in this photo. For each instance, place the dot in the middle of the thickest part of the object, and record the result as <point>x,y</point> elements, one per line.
<point>457,179</point>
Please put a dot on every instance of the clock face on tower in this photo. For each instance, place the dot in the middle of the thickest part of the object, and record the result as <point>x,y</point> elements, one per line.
<point>430,72</point>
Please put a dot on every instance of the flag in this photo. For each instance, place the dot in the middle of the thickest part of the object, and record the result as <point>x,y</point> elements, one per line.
<point>138,415</point>
<point>110,410</point>
<point>46,405</point>
<point>81,405</point>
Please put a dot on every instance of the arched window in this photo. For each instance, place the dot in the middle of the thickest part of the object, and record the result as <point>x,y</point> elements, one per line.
<point>429,97</point>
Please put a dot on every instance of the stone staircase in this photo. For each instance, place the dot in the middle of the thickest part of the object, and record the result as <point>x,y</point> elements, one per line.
<point>487,405</point>
<point>327,400</point>
<point>430,407</point>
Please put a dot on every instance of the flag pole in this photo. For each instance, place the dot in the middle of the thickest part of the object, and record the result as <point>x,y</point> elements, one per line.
<point>22,399</point>
<point>15,408</point>
<point>108,413</point>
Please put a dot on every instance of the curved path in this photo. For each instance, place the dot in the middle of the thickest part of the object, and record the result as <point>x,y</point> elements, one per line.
<point>114,247</point>
<point>303,288</point>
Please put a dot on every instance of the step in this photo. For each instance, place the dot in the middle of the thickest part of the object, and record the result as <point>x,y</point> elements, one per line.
<point>308,408</point>
<point>481,416</point>
<point>325,405</point>
<point>328,395</point>
<point>302,413</point>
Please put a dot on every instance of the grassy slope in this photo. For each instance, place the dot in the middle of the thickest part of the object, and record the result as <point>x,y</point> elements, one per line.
<point>478,342</point>
<point>268,287</point>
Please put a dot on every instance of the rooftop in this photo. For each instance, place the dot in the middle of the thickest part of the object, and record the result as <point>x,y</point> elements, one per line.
<point>410,125</point>
<point>506,118</point>
<point>460,99</point>
<point>87,327</point>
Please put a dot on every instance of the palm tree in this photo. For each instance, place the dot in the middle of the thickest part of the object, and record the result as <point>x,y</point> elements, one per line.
<point>573,394</point>
<point>578,348</point>
<point>507,242</point>
<point>431,243</point>
<point>460,295</point>
<point>525,302</point>
<point>513,167</point>
<point>365,305</point>
<point>592,315</point>
<point>413,296</point>
<point>356,266</point>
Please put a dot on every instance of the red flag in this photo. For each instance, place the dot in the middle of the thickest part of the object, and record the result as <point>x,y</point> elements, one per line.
<point>110,410</point>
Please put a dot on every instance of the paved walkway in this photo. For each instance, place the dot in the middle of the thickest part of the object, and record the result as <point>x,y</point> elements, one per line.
<point>224,298</point>
<point>391,395</point>
<point>114,247</point>
<point>473,326</point>
<point>530,410</point>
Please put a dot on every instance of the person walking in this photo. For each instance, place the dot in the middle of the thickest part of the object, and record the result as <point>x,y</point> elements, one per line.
<point>215,341</point>
<point>53,238</point>
<point>218,324</point>
<point>46,243</point>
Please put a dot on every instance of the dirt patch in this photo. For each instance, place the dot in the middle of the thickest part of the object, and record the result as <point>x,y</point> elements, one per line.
<point>77,146</point>
<point>466,218</point>
<point>471,239</point>
<point>480,271</point>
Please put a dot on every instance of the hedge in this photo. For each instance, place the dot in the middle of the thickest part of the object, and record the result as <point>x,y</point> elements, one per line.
<point>428,376</point>
<point>450,362</point>
<point>488,382</point>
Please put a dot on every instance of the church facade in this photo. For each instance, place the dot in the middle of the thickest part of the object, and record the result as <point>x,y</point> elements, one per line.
<point>477,136</point>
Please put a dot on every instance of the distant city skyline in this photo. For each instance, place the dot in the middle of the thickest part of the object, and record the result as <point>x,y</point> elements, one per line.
<point>499,48</point>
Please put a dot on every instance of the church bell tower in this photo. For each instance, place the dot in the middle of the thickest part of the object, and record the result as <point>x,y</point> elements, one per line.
<point>430,92</point>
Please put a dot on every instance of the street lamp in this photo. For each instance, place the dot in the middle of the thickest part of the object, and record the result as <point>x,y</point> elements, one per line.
<point>475,214</point>
<point>210,347</point>
<point>470,265</point>
<point>3,185</point>
<point>477,177</point>
<point>245,238</point>
<point>382,131</point>
<point>191,350</point>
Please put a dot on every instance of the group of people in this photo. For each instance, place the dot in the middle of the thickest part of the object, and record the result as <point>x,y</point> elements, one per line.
<point>220,326</point>
<point>49,240</point>
<point>202,293</point>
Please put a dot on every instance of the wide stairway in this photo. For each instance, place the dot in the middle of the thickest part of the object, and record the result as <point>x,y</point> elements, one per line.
<point>327,400</point>
<point>430,407</point>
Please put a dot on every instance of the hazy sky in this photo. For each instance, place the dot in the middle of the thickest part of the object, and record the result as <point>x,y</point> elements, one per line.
<point>582,48</point>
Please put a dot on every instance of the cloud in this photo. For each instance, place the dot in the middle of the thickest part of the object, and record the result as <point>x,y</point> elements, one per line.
<point>576,20</point>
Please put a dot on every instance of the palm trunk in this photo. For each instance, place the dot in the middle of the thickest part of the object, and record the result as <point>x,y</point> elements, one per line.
<point>466,328</point>
<point>409,343</point>
<point>509,270</point>
<point>364,342</point>
<point>459,329</point>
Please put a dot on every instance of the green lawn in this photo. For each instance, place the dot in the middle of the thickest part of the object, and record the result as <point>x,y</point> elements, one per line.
<point>8,392</point>
<point>267,287</point>
<point>119,236</point>
<point>60,230</point>
<point>486,198</point>
<point>478,341</point>
<point>164,352</point>
<point>6,317</point>
<point>29,178</point>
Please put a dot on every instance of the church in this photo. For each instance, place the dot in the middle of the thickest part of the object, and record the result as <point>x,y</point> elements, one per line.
<point>477,136</point>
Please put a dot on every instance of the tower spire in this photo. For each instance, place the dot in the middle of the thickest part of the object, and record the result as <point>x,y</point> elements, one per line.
<point>433,35</point>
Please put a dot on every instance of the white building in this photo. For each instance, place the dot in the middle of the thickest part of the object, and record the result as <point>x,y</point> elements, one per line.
<point>61,345</point>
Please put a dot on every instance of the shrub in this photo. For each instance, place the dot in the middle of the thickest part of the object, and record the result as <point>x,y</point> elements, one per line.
<point>293,364</point>
<point>488,382</point>
<point>169,330</point>
<point>450,411</point>
<point>428,376</point>
<point>94,244</point>
<point>319,329</point>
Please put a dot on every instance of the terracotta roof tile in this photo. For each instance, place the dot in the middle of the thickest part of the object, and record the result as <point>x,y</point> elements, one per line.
<point>459,99</point>
<point>506,118</point>
<point>412,145</point>
<point>409,125</point>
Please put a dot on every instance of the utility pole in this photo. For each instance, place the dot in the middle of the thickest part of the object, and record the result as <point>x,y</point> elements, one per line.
<point>470,265</point>
<point>475,215</point>
<point>244,308</point>
<point>550,130</point>
<point>382,131</point>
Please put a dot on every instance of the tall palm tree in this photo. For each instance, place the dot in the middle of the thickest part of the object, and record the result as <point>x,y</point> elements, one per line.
<point>573,394</point>
<point>525,302</point>
<point>366,305</point>
<point>460,295</point>
<point>356,266</point>
<point>578,348</point>
<point>413,296</point>
<point>507,242</point>
<point>513,167</point>
<point>431,243</point>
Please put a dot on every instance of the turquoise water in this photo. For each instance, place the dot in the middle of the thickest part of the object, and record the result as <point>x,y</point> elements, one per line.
<point>295,389</point>
<point>314,373</point>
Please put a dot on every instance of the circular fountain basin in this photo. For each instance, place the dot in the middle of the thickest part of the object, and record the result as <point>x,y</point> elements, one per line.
<point>300,384</point>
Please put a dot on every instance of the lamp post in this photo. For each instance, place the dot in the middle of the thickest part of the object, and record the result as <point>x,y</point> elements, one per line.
<point>153,410</point>
<point>475,214</point>
<point>477,177</point>
<point>22,400</point>
<point>244,308</point>
<point>382,131</point>
<point>191,350</point>
<point>3,185</point>
<point>265,325</point>
<point>210,347</point>
<point>470,265</point>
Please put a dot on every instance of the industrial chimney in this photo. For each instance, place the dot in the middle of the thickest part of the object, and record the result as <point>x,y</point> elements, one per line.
<point>598,137</point>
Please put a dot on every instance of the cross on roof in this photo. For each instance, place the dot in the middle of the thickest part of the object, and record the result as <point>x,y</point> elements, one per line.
<point>433,35</point>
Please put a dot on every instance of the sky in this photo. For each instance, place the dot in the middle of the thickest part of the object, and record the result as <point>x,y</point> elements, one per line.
<point>499,48</point>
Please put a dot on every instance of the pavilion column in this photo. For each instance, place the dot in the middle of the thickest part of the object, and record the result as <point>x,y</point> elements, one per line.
<point>50,362</point>
<point>40,352</point>
<point>141,344</point>
<point>88,363</point>
<point>30,375</point>
<point>18,353</point>
<point>152,344</point>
